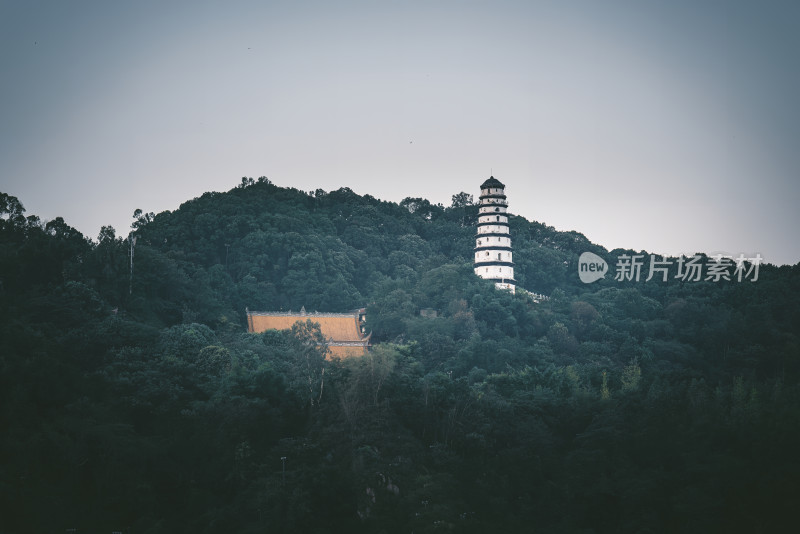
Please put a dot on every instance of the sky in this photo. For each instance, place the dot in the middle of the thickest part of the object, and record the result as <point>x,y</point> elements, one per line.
<point>671,126</point>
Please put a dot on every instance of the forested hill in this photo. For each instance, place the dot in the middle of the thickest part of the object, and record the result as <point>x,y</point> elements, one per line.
<point>268,247</point>
<point>134,400</point>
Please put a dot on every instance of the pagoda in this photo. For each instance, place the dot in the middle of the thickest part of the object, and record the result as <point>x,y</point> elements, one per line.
<point>493,250</point>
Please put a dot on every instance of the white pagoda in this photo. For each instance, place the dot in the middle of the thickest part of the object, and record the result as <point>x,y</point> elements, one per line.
<point>493,250</point>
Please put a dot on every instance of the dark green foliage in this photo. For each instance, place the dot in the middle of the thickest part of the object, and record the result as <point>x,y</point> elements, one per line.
<point>138,403</point>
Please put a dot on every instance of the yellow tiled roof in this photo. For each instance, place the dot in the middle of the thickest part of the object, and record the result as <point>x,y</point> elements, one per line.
<point>336,328</point>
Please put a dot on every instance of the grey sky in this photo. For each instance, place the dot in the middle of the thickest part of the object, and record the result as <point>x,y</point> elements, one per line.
<point>671,126</point>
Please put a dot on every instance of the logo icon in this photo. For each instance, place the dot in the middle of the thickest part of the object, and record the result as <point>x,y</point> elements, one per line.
<point>591,267</point>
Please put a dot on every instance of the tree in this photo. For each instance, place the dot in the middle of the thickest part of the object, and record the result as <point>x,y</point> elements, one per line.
<point>421,207</point>
<point>309,351</point>
<point>380,361</point>
<point>11,211</point>
<point>141,219</point>
<point>631,376</point>
<point>107,235</point>
<point>462,200</point>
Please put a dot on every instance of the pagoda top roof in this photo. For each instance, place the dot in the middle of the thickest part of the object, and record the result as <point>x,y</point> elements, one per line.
<point>492,182</point>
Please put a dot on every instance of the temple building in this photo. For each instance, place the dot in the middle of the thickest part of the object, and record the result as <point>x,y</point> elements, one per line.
<point>493,252</point>
<point>345,332</point>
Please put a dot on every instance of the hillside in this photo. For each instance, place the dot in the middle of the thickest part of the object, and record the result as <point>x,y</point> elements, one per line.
<point>268,247</point>
<point>138,402</point>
